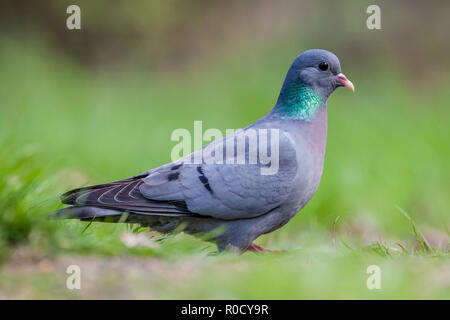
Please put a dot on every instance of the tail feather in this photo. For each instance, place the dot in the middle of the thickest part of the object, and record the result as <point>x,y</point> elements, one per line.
<point>85,212</point>
<point>160,223</point>
<point>122,201</point>
<point>123,195</point>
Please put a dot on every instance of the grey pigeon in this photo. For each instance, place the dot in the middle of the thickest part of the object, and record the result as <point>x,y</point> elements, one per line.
<point>232,199</point>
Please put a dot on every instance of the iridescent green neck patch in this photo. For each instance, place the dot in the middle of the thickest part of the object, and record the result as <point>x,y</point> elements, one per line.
<point>298,102</point>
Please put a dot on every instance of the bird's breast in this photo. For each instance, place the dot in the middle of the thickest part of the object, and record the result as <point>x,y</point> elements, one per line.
<point>311,143</point>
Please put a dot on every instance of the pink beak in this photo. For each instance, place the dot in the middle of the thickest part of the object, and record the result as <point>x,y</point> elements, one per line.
<point>345,82</point>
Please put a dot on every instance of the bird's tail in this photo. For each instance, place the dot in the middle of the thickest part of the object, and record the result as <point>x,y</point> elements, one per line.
<point>85,213</point>
<point>163,224</point>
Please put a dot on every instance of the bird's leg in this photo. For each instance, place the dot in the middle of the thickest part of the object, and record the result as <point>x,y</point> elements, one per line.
<point>257,248</point>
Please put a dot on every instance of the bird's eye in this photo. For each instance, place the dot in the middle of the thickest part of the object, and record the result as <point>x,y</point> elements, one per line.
<point>323,66</point>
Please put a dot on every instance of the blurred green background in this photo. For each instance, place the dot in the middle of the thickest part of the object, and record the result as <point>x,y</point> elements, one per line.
<point>87,106</point>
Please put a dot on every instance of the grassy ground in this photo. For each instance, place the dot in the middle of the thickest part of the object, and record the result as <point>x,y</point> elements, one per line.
<point>383,199</point>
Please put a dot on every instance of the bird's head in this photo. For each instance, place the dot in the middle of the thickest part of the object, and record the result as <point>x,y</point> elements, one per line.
<point>312,77</point>
<point>320,70</point>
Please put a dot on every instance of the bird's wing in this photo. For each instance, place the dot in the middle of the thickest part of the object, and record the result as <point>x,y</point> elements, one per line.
<point>223,190</point>
<point>123,195</point>
<point>212,189</point>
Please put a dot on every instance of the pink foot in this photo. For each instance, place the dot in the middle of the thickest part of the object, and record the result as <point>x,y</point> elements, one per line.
<point>257,248</point>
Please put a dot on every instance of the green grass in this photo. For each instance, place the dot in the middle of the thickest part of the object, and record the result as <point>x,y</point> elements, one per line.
<point>386,177</point>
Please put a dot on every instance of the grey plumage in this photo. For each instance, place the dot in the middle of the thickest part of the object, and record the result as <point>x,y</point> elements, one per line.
<point>236,198</point>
